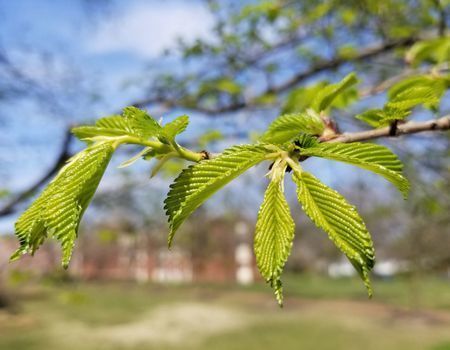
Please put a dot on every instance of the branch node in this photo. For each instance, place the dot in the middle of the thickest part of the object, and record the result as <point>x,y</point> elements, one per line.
<point>205,155</point>
<point>393,128</point>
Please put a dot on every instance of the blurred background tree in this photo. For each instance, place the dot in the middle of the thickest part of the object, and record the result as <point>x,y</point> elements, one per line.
<point>245,64</point>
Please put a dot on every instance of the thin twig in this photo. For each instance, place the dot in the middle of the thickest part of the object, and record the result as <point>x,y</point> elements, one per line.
<point>442,123</point>
<point>321,66</point>
<point>63,156</point>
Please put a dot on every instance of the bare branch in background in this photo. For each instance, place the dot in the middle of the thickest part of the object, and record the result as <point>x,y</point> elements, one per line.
<point>63,156</point>
<point>442,123</point>
<point>334,63</point>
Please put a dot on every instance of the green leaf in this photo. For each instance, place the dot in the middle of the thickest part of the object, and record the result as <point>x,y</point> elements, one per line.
<point>114,125</point>
<point>116,122</point>
<point>406,84</point>
<point>415,96</point>
<point>198,182</point>
<point>434,50</point>
<point>326,95</point>
<point>221,85</point>
<point>58,210</point>
<point>172,129</point>
<point>426,90</point>
<point>274,236</point>
<point>303,98</point>
<point>340,220</point>
<point>286,127</point>
<point>266,99</point>
<point>305,141</point>
<point>140,123</point>
<point>382,117</point>
<point>347,52</point>
<point>369,156</point>
<point>373,117</point>
<point>300,98</point>
<point>228,85</point>
<point>135,122</point>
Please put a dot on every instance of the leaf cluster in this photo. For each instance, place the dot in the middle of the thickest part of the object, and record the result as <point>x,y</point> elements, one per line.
<point>404,96</point>
<point>288,140</point>
<point>426,90</point>
<point>57,212</point>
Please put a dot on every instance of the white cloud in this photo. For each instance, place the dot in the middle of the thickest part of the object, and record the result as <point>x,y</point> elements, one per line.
<point>147,28</point>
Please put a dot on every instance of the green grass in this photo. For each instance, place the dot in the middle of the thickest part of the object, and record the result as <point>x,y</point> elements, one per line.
<point>413,292</point>
<point>319,314</point>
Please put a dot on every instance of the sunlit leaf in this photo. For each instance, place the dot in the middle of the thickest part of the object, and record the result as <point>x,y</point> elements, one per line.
<point>435,50</point>
<point>140,123</point>
<point>327,94</point>
<point>340,220</point>
<point>172,129</point>
<point>134,122</point>
<point>369,156</point>
<point>58,210</point>
<point>274,236</point>
<point>288,126</point>
<point>198,182</point>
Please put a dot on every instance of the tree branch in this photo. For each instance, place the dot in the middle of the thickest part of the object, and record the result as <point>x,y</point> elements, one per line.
<point>442,23</point>
<point>411,127</point>
<point>364,54</point>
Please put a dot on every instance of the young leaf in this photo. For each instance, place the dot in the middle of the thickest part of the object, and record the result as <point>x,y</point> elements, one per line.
<point>340,220</point>
<point>274,235</point>
<point>305,141</point>
<point>435,50</point>
<point>58,210</point>
<point>113,122</point>
<point>140,123</point>
<point>114,125</point>
<point>412,97</point>
<point>426,90</point>
<point>369,156</point>
<point>228,85</point>
<point>382,117</point>
<point>172,129</point>
<point>326,96</point>
<point>198,182</point>
<point>300,98</point>
<point>135,122</point>
<point>373,117</point>
<point>303,97</point>
<point>288,126</point>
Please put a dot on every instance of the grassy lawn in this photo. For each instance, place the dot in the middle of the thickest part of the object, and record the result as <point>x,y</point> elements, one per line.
<point>319,314</point>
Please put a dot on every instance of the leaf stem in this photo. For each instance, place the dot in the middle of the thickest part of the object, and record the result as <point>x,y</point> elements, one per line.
<point>162,147</point>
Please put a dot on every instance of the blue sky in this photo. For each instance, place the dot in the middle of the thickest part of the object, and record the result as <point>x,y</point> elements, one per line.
<point>109,45</point>
<point>103,53</point>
